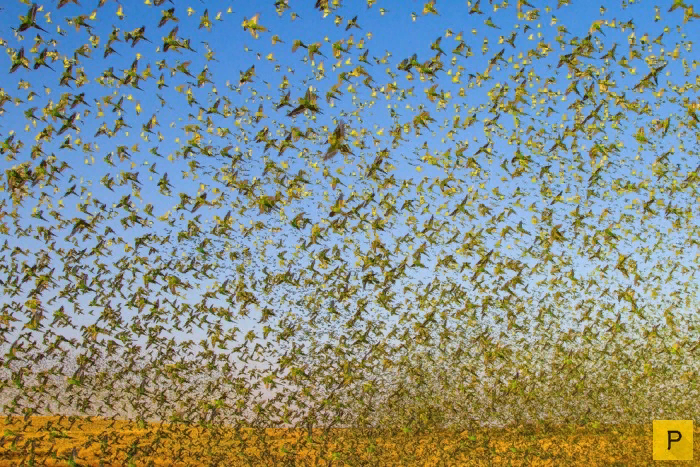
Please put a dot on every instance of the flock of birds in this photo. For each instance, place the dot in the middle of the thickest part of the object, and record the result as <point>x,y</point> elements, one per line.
<point>514,203</point>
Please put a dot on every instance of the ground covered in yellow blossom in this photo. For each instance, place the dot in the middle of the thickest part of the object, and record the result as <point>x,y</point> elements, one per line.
<point>52,441</point>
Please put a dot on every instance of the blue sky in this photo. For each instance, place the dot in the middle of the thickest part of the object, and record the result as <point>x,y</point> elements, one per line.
<point>394,36</point>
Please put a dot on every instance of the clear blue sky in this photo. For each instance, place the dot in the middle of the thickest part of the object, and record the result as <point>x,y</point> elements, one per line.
<point>395,36</point>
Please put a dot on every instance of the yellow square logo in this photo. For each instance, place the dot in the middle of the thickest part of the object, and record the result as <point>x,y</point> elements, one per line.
<point>673,440</point>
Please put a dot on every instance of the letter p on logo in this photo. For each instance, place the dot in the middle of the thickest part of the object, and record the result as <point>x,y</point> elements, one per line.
<point>673,440</point>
